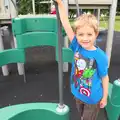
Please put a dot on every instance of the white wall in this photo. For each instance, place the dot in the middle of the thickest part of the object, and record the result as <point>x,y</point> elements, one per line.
<point>91,2</point>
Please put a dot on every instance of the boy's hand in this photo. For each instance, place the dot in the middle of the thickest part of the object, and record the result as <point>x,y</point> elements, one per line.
<point>58,1</point>
<point>103,102</point>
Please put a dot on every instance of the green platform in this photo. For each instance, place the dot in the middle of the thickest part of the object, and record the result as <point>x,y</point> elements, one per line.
<point>33,111</point>
<point>32,32</point>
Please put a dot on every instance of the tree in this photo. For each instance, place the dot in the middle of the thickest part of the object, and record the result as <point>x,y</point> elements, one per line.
<point>25,7</point>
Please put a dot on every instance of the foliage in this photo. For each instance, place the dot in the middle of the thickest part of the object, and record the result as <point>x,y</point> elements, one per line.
<point>25,7</point>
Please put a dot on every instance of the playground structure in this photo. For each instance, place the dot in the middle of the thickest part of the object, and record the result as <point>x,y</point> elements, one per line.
<point>25,39</point>
<point>71,4</point>
<point>7,11</point>
<point>27,32</point>
<point>28,36</point>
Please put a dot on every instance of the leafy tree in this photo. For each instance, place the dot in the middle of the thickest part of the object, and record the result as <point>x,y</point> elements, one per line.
<point>25,7</point>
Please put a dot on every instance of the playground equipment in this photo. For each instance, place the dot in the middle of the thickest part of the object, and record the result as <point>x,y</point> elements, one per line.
<point>27,32</point>
<point>113,106</point>
<point>34,111</point>
<point>14,43</point>
<point>7,11</point>
<point>29,36</point>
<point>48,32</point>
<point>5,67</point>
<point>86,4</point>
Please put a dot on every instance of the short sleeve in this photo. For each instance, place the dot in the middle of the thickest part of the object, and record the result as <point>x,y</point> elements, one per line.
<point>74,44</point>
<point>102,65</point>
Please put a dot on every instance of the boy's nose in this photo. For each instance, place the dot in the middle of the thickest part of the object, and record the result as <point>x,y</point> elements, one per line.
<point>85,39</point>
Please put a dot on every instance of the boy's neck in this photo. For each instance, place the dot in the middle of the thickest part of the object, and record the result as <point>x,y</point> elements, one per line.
<point>91,48</point>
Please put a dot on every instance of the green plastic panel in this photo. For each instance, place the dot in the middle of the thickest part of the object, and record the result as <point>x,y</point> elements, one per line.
<point>23,25</point>
<point>33,111</point>
<point>113,110</point>
<point>110,89</point>
<point>12,56</point>
<point>36,39</point>
<point>67,55</point>
<point>115,96</point>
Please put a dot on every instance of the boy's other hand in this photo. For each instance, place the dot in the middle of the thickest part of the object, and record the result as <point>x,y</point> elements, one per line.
<point>103,102</point>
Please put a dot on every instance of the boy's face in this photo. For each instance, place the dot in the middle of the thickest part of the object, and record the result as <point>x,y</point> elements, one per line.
<point>86,37</point>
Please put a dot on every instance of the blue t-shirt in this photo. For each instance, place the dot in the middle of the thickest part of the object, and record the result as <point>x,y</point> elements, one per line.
<point>88,67</point>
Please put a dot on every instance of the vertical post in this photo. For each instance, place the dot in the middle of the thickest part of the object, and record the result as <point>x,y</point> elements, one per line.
<point>24,76</point>
<point>4,68</point>
<point>98,15</point>
<point>13,8</point>
<point>51,3</point>
<point>65,64</point>
<point>60,63</point>
<point>33,6</point>
<point>66,5</point>
<point>77,5</point>
<point>20,66</point>
<point>111,29</point>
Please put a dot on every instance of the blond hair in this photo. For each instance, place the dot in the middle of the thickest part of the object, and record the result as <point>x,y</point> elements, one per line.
<point>86,19</point>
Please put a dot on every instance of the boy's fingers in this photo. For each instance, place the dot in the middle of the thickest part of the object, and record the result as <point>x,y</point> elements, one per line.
<point>102,105</point>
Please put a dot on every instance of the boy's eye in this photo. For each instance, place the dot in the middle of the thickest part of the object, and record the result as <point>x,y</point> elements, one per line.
<point>89,34</point>
<point>80,34</point>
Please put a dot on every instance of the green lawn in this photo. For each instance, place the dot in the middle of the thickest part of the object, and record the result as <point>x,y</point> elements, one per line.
<point>104,23</point>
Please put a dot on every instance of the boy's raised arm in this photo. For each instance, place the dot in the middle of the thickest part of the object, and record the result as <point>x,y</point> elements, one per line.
<point>65,20</point>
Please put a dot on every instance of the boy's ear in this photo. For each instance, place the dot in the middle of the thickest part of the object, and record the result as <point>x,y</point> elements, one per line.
<point>97,33</point>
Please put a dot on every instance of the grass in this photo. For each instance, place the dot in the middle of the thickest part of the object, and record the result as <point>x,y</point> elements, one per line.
<point>104,23</point>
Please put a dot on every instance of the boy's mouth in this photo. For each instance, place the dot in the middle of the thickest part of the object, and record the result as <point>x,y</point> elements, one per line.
<point>85,43</point>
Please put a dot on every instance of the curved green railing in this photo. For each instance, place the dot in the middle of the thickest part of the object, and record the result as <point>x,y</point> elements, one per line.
<point>12,56</point>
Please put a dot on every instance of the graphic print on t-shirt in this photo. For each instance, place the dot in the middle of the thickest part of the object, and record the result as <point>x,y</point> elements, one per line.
<point>84,69</point>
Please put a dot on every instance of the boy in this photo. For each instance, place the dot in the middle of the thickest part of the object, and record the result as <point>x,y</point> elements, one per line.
<point>89,75</point>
